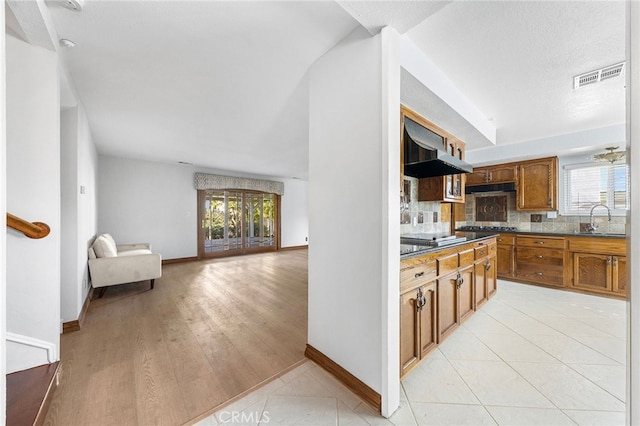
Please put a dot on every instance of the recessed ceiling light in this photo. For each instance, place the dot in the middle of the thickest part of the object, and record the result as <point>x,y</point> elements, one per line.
<point>67,43</point>
<point>75,5</point>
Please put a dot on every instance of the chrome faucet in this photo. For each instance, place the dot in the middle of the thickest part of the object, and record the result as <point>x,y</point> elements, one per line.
<point>592,225</point>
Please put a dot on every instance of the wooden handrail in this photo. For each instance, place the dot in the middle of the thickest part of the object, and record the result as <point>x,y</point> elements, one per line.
<point>32,230</point>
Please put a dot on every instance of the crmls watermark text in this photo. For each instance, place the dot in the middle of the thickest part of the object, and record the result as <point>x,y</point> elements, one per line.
<point>231,417</point>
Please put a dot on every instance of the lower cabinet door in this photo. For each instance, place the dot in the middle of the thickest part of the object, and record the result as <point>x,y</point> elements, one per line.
<point>491,276</point>
<point>505,261</point>
<point>592,272</point>
<point>466,293</point>
<point>448,311</point>
<point>480,282</point>
<point>428,335</point>
<point>485,280</point>
<point>409,347</point>
<point>619,275</point>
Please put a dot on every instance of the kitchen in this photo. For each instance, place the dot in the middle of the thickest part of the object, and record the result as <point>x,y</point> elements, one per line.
<point>369,276</point>
<point>461,231</point>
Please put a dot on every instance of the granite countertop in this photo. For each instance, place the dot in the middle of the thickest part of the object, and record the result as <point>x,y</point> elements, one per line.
<point>549,234</point>
<point>417,250</point>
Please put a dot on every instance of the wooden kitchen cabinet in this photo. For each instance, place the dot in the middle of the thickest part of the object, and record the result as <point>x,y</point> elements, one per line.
<point>455,300</point>
<point>506,256</point>
<point>417,325</point>
<point>500,173</point>
<point>437,293</point>
<point>540,259</point>
<point>450,188</point>
<point>485,280</point>
<point>537,186</point>
<point>599,265</point>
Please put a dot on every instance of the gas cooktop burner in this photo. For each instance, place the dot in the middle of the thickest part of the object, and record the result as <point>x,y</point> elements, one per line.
<point>488,228</point>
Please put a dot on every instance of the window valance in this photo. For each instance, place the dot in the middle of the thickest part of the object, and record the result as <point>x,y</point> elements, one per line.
<point>208,181</point>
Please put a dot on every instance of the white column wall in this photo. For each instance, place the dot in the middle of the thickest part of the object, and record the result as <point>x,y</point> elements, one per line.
<point>390,221</point>
<point>33,193</point>
<point>633,220</point>
<point>349,192</point>
<point>69,213</point>
<point>79,167</point>
<point>3,224</point>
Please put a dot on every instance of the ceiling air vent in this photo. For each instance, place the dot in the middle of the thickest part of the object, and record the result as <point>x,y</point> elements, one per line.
<point>598,75</point>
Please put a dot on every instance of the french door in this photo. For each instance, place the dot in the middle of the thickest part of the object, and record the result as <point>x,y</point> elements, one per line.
<point>236,222</point>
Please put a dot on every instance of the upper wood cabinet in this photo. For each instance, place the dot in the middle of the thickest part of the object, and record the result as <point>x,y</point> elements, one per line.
<point>538,185</point>
<point>500,173</point>
<point>448,188</point>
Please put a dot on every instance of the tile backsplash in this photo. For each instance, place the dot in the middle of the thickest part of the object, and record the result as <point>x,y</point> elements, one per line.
<point>422,216</point>
<point>538,221</point>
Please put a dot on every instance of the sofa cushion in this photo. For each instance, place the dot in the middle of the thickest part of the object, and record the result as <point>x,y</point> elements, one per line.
<point>133,252</point>
<point>104,248</point>
<point>111,240</point>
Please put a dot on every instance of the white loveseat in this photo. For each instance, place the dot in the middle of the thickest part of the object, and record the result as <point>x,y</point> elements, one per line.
<point>112,264</point>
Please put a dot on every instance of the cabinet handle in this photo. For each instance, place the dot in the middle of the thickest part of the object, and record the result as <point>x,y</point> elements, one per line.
<point>539,242</point>
<point>615,261</point>
<point>539,256</point>
<point>420,300</point>
<point>487,266</point>
<point>500,240</point>
<point>419,274</point>
<point>609,261</point>
<point>539,273</point>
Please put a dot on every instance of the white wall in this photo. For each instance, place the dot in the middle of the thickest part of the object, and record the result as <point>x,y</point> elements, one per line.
<point>294,216</point>
<point>3,235</point>
<point>633,221</point>
<point>33,193</point>
<point>143,201</point>
<point>79,160</point>
<point>349,190</point>
<point>569,144</point>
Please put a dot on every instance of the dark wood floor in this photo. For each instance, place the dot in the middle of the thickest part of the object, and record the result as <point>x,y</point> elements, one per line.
<point>210,330</point>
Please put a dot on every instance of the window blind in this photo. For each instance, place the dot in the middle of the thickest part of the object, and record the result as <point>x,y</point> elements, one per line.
<point>588,184</point>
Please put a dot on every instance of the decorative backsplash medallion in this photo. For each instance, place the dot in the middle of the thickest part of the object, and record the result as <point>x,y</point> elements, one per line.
<point>491,209</point>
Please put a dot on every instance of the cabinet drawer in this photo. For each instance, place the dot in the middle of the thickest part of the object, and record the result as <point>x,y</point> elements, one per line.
<point>598,245</point>
<point>539,256</point>
<point>467,257</point>
<point>507,239</point>
<point>493,249</point>
<point>448,263</point>
<point>418,275</point>
<point>533,241</point>
<point>545,275</point>
<point>481,252</point>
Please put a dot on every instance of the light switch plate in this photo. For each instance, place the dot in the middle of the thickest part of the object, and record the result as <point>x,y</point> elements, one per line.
<point>552,215</point>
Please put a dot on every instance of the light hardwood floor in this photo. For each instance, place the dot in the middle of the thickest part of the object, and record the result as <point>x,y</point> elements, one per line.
<point>210,330</point>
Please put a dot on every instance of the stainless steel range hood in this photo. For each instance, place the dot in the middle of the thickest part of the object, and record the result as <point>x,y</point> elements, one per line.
<point>424,154</point>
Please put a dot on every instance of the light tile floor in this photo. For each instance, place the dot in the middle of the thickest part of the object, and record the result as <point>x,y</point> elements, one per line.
<point>530,356</point>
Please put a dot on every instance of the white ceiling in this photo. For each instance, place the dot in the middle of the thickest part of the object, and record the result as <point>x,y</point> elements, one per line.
<point>224,84</point>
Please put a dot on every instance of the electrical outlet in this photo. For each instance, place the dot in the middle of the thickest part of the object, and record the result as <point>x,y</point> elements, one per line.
<point>306,238</point>
<point>435,217</point>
